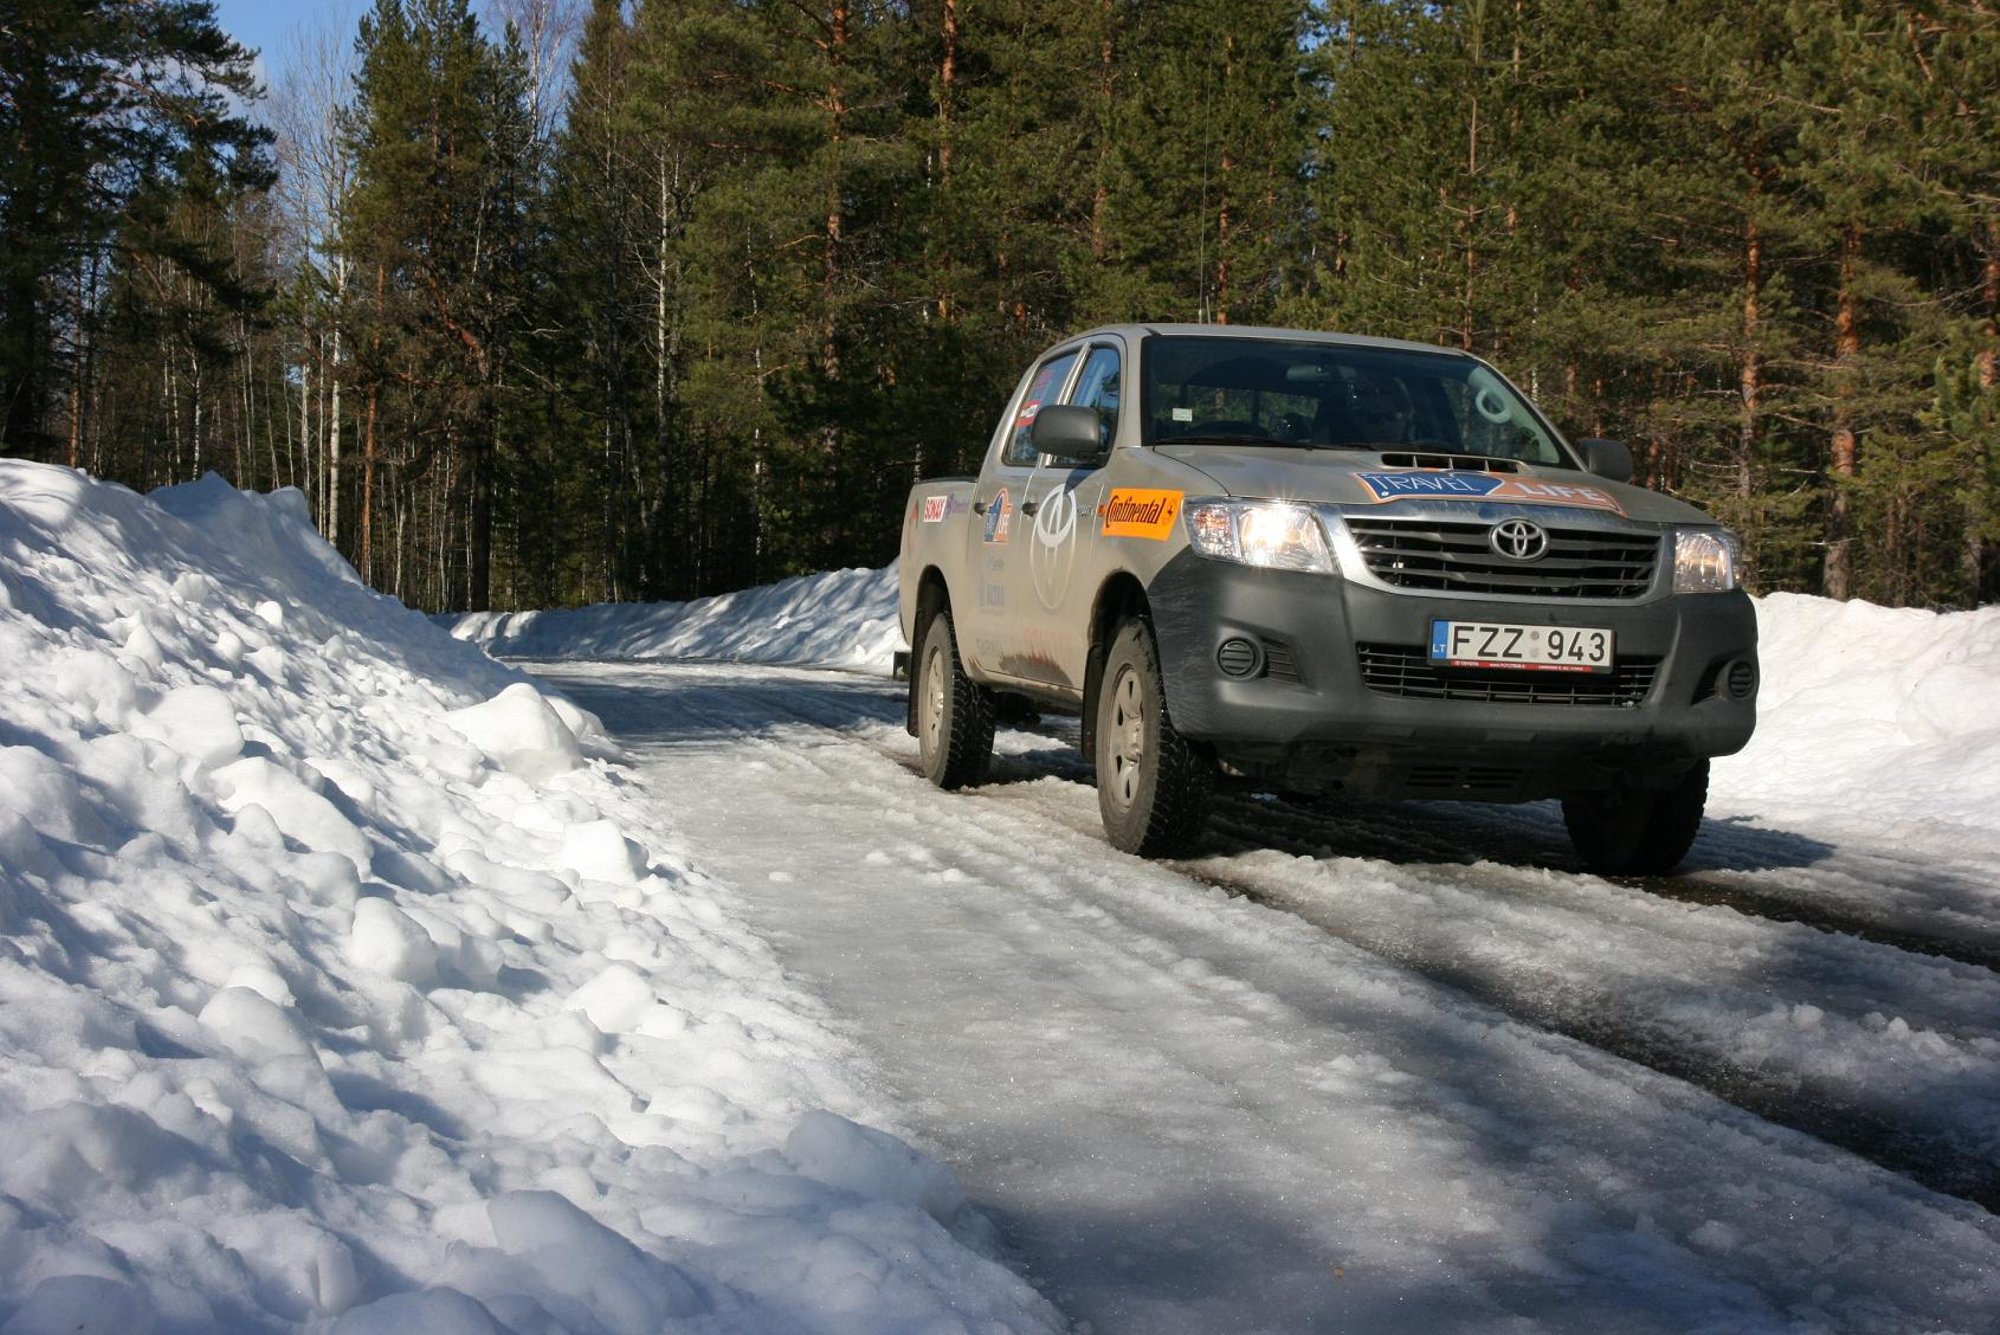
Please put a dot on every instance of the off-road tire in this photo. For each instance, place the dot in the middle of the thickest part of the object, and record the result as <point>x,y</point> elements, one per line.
<point>954,713</point>
<point>1636,831</point>
<point>1153,785</point>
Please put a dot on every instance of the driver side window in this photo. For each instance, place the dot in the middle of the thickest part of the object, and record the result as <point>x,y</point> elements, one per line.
<point>1098,387</point>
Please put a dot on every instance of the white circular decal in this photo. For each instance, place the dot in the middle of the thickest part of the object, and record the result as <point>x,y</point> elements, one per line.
<point>1053,552</point>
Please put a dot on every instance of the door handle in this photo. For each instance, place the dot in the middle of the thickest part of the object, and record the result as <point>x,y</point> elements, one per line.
<point>1029,507</point>
<point>979,507</point>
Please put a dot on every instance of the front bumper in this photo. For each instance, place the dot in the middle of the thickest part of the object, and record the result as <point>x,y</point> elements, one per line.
<point>1310,716</point>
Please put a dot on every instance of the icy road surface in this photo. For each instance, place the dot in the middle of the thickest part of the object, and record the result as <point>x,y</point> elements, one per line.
<point>1394,1069</point>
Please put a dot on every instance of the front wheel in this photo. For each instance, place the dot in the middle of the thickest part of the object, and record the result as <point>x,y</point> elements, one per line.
<point>1638,832</point>
<point>954,712</point>
<point>1153,785</point>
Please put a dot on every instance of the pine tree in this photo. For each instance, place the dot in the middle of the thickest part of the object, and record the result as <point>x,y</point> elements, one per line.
<point>101,104</point>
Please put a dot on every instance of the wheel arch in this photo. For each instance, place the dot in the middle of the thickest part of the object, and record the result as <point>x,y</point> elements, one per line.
<point>1119,598</point>
<point>933,596</point>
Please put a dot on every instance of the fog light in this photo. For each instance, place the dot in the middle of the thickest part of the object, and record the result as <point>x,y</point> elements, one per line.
<point>1238,658</point>
<point>1742,679</point>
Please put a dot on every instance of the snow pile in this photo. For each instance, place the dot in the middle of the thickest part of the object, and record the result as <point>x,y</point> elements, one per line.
<point>346,983</point>
<point>846,618</point>
<point>1872,717</point>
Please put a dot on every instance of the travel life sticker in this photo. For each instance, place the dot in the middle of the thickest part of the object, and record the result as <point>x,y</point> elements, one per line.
<point>999,516</point>
<point>1446,485</point>
<point>1132,513</point>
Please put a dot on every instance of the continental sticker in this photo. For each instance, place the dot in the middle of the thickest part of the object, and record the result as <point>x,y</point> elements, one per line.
<point>1450,485</point>
<point>1131,513</point>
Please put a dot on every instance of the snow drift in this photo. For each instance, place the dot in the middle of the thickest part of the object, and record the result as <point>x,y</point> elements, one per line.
<point>348,983</point>
<point>845,618</point>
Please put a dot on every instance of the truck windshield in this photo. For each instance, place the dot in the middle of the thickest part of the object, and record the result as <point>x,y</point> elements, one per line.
<point>1220,390</point>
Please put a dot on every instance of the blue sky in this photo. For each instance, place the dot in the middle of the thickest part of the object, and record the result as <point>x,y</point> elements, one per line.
<point>268,25</point>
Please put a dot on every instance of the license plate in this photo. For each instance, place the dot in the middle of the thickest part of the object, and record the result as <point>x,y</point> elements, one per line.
<point>1543,648</point>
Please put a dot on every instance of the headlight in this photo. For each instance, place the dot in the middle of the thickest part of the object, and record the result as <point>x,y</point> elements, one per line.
<point>1271,534</point>
<point>1706,560</point>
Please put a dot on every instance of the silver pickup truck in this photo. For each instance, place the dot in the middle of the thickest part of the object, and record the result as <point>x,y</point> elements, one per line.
<point>1316,563</point>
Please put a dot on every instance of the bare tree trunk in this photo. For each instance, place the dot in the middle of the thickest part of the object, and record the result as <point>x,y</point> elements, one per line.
<point>1973,559</point>
<point>1838,581</point>
<point>333,419</point>
<point>947,87</point>
<point>1100,204</point>
<point>1750,378</point>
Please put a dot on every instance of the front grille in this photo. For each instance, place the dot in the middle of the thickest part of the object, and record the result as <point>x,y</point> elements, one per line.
<point>1452,556</point>
<point>1395,669</point>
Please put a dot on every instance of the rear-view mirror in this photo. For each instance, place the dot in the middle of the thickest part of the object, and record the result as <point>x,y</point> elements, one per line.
<point>1608,459</point>
<point>1071,434</point>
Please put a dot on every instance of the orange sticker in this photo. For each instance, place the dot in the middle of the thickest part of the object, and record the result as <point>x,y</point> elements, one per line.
<point>1131,513</point>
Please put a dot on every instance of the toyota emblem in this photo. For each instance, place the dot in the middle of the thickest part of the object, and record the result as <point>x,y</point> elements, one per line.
<point>1519,540</point>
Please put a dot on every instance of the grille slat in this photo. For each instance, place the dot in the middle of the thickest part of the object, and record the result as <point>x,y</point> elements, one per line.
<point>1451,556</point>
<point>1395,669</point>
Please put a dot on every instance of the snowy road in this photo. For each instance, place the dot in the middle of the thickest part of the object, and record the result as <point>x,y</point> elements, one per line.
<point>1337,1075</point>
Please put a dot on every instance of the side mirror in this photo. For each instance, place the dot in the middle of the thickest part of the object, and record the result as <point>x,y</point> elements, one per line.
<point>1071,433</point>
<point>1608,459</point>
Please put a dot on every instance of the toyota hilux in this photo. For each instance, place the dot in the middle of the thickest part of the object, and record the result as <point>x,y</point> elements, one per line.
<point>1325,564</point>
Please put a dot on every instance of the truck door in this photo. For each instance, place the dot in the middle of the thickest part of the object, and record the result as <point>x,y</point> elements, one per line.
<point>1001,533</point>
<point>1052,587</point>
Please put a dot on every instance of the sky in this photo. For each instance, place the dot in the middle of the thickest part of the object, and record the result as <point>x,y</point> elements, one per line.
<point>271,27</point>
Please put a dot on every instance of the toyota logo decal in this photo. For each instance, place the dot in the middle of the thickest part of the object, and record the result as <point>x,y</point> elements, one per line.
<point>1519,540</point>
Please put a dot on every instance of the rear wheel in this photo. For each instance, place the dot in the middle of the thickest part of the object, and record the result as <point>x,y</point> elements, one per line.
<point>954,712</point>
<point>1153,785</point>
<point>1636,831</point>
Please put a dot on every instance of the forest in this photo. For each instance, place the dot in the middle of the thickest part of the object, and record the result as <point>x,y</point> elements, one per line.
<point>549,302</point>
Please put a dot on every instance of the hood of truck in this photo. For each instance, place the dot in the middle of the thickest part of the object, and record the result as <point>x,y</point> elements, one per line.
<point>1367,477</point>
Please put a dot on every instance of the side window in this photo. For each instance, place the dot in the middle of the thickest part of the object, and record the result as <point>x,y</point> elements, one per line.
<point>1048,383</point>
<point>1098,387</point>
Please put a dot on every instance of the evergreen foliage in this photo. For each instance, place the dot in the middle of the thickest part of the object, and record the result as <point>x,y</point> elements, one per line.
<point>775,259</point>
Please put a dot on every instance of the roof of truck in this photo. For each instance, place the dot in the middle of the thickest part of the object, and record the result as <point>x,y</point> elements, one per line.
<point>1268,331</point>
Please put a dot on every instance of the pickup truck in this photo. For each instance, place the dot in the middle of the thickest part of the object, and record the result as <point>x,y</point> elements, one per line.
<point>1324,564</point>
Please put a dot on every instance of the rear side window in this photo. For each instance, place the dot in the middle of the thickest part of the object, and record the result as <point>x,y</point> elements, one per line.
<point>1048,382</point>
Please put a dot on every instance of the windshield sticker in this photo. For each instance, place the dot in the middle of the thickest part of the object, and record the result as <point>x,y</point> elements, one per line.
<point>1130,513</point>
<point>999,516</point>
<point>1429,484</point>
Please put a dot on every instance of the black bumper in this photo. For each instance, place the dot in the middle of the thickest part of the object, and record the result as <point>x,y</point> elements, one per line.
<point>1341,695</point>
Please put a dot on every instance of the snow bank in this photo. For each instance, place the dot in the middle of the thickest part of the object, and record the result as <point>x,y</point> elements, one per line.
<point>846,618</point>
<point>347,983</point>
<point>1872,717</point>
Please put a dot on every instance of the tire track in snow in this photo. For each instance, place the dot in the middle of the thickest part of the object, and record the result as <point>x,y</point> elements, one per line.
<point>1422,853</point>
<point>1937,1154</point>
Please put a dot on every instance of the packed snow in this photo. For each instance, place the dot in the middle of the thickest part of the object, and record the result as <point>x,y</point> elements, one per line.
<point>1373,1043</point>
<point>350,981</point>
<point>355,982</point>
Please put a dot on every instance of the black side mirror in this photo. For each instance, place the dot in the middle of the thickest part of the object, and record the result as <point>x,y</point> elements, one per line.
<point>1608,459</point>
<point>1071,433</point>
